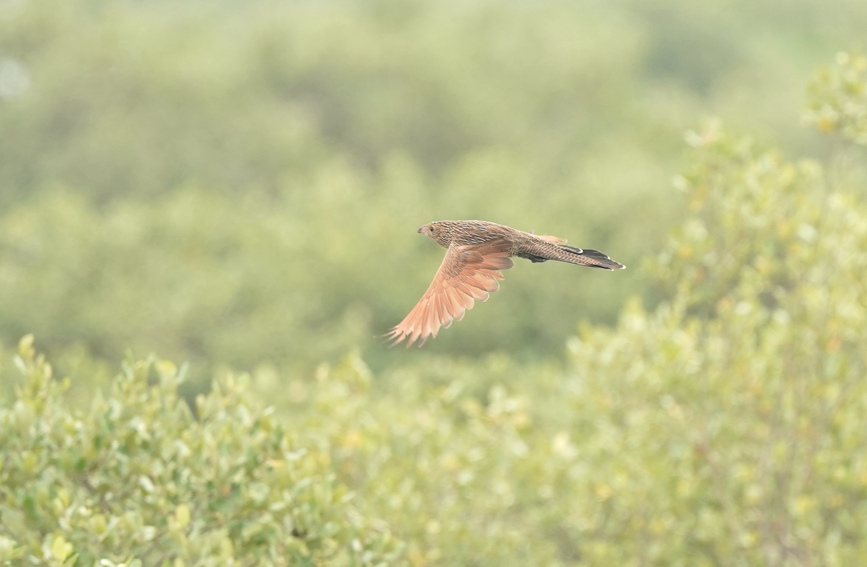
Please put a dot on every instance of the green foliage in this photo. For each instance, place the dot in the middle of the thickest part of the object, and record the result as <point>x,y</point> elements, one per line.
<point>747,387</point>
<point>442,458</point>
<point>839,98</point>
<point>756,217</point>
<point>237,201</point>
<point>139,476</point>
<point>239,182</point>
<point>721,426</point>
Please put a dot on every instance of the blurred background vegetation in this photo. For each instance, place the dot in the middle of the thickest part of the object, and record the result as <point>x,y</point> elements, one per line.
<point>237,185</point>
<point>240,183</point>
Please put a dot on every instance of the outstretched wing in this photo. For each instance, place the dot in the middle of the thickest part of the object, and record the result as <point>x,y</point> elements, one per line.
<point>468,273</point>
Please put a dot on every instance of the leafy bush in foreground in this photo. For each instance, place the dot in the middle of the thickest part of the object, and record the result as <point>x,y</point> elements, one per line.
<point>732,430</point>
<point>140,476</point>
<point>839,98</point>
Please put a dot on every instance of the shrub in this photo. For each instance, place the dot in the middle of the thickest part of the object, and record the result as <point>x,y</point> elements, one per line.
<point>838,102</point>
<point>139,475</point>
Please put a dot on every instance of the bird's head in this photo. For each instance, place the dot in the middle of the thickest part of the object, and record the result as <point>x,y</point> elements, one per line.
<point>439,231</point>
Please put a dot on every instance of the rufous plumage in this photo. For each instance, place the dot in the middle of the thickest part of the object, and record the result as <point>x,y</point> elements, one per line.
<point>476,254</point>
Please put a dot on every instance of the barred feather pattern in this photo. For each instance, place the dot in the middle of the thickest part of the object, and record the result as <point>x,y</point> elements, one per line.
<point>476,254</point>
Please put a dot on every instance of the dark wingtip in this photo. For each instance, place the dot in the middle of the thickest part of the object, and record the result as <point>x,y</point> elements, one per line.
<point>603,259</point>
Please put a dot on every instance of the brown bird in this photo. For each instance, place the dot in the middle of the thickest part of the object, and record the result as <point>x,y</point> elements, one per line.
<point>476,252</point>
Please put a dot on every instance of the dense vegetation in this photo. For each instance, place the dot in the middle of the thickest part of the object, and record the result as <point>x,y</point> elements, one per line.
<point>230,204</point>
<point>240,183</point>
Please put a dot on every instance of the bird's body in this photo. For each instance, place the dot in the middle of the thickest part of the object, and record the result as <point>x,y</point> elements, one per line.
<point>476,253</point>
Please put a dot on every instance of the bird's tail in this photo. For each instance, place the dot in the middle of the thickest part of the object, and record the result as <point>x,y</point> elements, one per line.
<point>587,257</point>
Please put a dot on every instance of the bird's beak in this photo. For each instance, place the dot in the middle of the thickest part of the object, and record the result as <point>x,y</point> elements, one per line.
<point>420,230</point>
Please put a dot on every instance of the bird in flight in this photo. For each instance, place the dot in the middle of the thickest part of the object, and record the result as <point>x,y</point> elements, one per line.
<point>476,254</point>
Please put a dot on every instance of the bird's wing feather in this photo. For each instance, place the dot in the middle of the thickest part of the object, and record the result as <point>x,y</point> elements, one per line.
<point>553,239</point>
<point>467,273</point>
